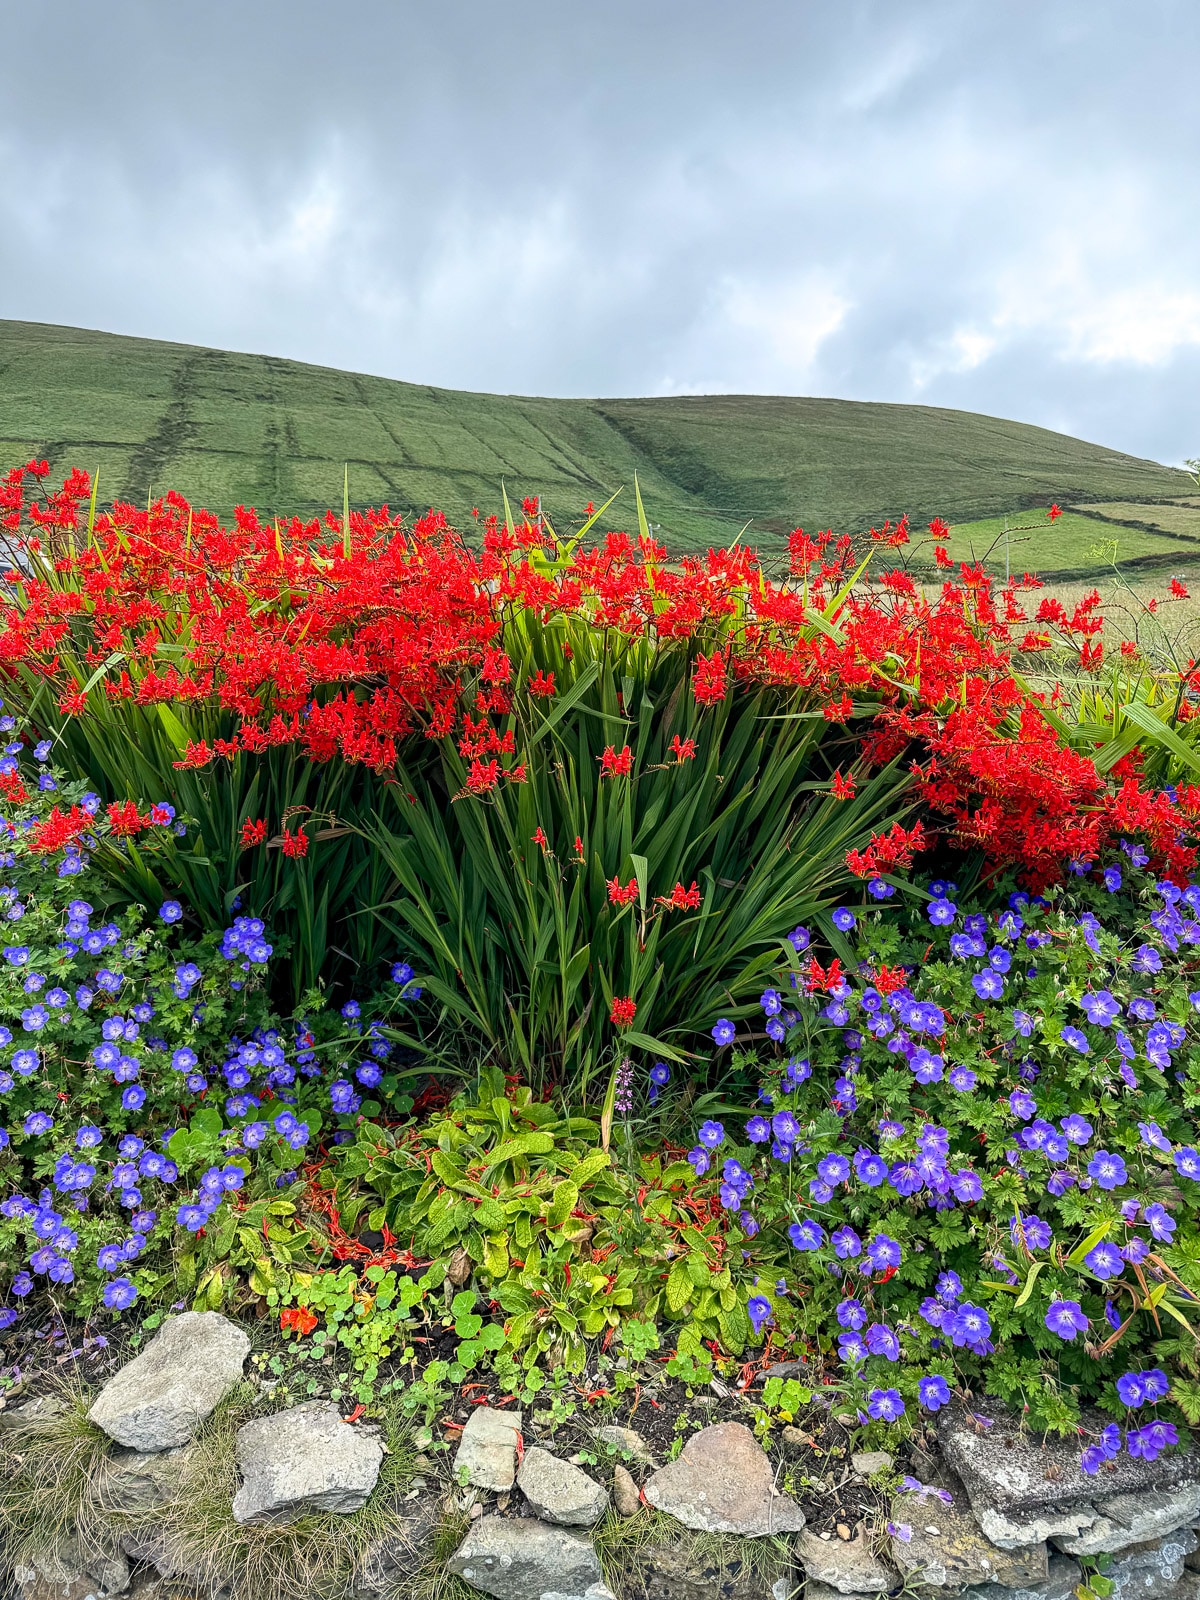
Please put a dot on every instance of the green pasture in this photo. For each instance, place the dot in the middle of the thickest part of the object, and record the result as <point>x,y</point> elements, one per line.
<point>225,428</point>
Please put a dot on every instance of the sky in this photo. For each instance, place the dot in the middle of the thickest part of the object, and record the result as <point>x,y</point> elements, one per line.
<point>989,206</point>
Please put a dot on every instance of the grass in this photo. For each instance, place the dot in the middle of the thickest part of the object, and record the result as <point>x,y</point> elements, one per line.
<point>53,1491</point>
<point>1080,542</point>
<point>224,428</point>
<point>630,1549</point>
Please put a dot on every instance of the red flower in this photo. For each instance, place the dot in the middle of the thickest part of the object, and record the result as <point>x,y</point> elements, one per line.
<point>72,704</point>
<point>124,820</point>
<point>680,899</point>
<point>253,833</point>
<point>58,829</point>
<point>295,844</point>
<point>838,710</point>
<point>1054,512</point>
<point>542,684</point>
<point>708,681</point>
<point>683,749</point>
<point>623,1012</point>
<point>540,838</point>
<point>842,788</point>
<point>614,765</point>
<point>939,529</point>
<point>619,896</point>
<point>1178,590</point>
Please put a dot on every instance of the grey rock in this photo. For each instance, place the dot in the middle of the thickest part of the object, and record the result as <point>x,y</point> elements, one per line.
<point>306,1459</point>
<point>159,1399</point>
<point>722,1482</point>
<point>848,1565</point>
<point>1126,1519</point>
<point>946,1548</point>
<point>559,1492</point>
<point>625,1494</point>
<point>67,1571</point>
<point>388,1562</point>
<point>1060,1584</point>
<point>815,1590</point>
<point>1154,1568</point>
<point>868,1462</point>
<point>155,1546</point>
<point>674,1570</point>
<point>30,1413</point>
<point>488,1449</point>
<point>1011,1530</point>
<point>1013,1471</point>
<point>627,1439</point>
<point>518,1558</point>
<point>594,1591</point>
<point>135,1480</point>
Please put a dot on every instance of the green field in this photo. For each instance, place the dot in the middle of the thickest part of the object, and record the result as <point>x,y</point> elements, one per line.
<point>1136,536</point>
<point>224,428</point>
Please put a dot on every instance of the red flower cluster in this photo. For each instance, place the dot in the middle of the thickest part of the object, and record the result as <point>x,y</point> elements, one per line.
<point>346,640</point>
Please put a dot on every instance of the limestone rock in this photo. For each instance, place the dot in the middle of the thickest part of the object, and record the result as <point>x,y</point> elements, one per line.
<point>67,1572</point>
<point>559,1492</point>
<point>848,1565</point>
<point>722,1482</point>
<point>135,1480</point>
<point>1153,1568</point>
<point>868,1462</point>
<point>159,1399</point>
<point>488,1449</point>
<point>1012,1471</point>
<point>1010,1530</point>
<point>1126,1519</point>
<point>389,1562</point>
<point>1061,1583</point>
<point>674,1570</point>
<point>518,1558</point>
<point>625,1494</point>
<point>29,1413</point>
<point>306,1459</point>
<point>946,1549</point>
<point>627,1439</point>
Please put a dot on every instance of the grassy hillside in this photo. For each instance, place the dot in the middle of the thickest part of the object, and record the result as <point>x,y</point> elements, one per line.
<point>223,428</point>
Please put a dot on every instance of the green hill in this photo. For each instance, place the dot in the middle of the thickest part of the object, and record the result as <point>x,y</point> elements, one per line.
<point>224,428</point>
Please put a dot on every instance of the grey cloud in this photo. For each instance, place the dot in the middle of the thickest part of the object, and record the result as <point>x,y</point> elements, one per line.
<point>968,205</point>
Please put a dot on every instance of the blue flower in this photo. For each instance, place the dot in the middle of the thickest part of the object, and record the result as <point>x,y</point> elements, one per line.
<point>724,1031</point>
<point>851,1314</point>
<point>846,1243</point>
<point>870,1168</point>
<point>119,1294</point>
<point>1076,1039</point>
<point>758,1309</point>
<point>171,911</point>
<point>807,1235</point>
<point>758,1130</point>
<point>1187,1163</point>
<point>988,985</point>
<point>941,913</point>
<point>1105,1261</point>
<point>843,919</point>
<point>885,1405</point>
<point>1066,1319</point>
<point>1107,1169</point>
<point>833,1169</point>
<point>883,1252</point>
<point>933,1392</point>
<point>710,1134</point>
<point>785,1127</point>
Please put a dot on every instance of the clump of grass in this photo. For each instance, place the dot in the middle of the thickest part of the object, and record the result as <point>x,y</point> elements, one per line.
<point>315,1557</point>
<point>49,1470</point>
<point>626,1547</point>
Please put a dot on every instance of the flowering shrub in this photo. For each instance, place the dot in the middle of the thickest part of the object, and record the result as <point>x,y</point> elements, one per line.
<point>976,1160</point>
<point>154,1114</point>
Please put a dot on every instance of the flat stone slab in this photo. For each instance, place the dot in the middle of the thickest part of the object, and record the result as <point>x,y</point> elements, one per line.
<point>159,1399</point>
<point>848,1565</point>
<point>560,1492</point>
<point>674,1570</point>
<point>722,1482</point>
<point>135,1480</point>
<point>627,1439</point>
<point>945,1548</point>
<point>1126,1519</point>
<point>488,1449</point>
<point>1061,1583</point>
<point>1153,1569</point>
<point>1009,1470</point>
<point>306,1459</point>
<point>1011,1530</point>
<point>519,1558</point>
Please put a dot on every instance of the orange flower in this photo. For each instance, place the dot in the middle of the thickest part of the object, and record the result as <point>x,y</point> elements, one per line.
<point>297,1319</point>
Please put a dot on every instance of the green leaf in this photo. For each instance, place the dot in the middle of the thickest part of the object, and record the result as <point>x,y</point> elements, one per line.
<point>563,1202</point>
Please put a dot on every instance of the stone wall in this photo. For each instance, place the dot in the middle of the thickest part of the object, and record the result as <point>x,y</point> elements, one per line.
<point>994,1514</point>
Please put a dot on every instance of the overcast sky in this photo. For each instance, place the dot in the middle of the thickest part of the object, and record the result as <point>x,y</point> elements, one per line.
<point>989,204</point>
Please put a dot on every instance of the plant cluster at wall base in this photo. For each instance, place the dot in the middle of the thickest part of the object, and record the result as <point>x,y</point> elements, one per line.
<point>303,822</point>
